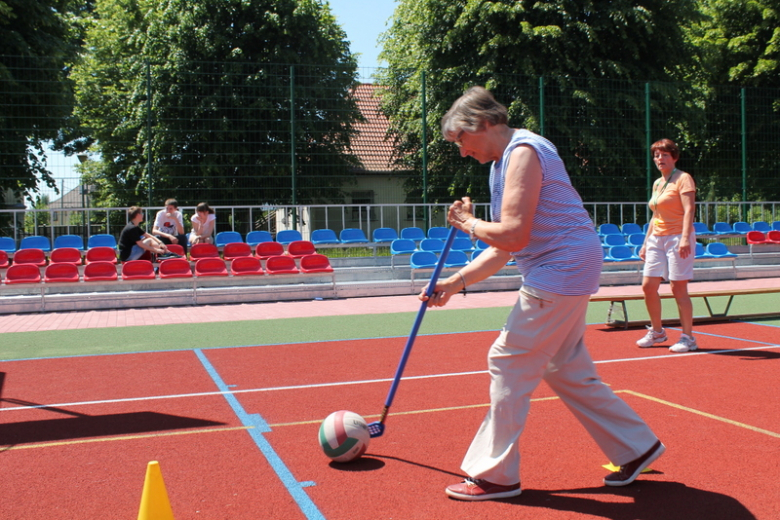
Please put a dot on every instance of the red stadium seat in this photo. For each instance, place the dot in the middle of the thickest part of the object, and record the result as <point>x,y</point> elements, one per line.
<point>62,272</point>
<point>236,250</point>
<point>65,255</point>
<point>755,237</point>
<point>300,248</point>
<point>175,268</point>
<point>30,256</point>
<point>210,267</point>
<point>773,237</point>
<point>101,271</point>
<point>138,270</point>
<point>3,259</point>
<point>203,251</point>
<point>281,265</point>
<point>315,264</point>
<point>23,273</point>
<point>101,254</point>
<point>176,248</point>
<point>246,265</point>
<point>266,250</point>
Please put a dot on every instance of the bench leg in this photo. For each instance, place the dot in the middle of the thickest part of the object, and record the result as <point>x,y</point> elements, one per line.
<point>725,312</point>
<point>612,322</point>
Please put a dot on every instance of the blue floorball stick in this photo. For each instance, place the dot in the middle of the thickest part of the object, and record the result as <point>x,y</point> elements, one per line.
<point>376,429</point>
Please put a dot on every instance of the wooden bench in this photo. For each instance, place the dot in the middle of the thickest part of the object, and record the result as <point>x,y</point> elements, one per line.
<point>615,320</point>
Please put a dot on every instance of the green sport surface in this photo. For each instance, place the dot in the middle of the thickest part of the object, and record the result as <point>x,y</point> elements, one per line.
<point>116,340</point>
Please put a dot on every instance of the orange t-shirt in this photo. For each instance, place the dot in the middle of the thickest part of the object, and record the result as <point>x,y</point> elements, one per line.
<point>667,205</point>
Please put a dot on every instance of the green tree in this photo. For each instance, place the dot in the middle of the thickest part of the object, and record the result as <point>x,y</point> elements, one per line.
<point>578,47</point>
<point>38,42</point>
<point>195,87</point>
<point>737,46</point>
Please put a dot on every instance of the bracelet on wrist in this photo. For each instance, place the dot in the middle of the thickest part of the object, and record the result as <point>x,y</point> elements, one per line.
<point>473,227</point>
<point>463,279</point>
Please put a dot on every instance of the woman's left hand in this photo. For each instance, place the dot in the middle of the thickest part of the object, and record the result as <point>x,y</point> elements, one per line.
<point>684,248</point>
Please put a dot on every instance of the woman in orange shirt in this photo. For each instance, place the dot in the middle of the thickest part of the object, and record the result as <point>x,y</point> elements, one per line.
<point>668,250</point>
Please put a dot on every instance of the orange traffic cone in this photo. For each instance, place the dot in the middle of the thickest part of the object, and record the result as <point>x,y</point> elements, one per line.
<point>154,500</point>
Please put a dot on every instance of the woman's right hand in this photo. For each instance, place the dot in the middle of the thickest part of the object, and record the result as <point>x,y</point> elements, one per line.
<point>641,253</point>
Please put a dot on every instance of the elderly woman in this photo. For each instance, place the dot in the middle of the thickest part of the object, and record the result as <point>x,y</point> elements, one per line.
<point>537,218</point>
<point>668,250</point>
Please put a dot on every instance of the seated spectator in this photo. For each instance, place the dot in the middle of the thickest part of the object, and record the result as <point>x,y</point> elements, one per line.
<point>169,225</point>
<point>203,223</point>
<point>133,240</point>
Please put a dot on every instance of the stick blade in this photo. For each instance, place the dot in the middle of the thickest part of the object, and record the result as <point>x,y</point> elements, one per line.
<point>376,429</point>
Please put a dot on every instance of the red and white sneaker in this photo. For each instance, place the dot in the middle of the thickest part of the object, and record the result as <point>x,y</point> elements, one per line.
<point>479,489</point>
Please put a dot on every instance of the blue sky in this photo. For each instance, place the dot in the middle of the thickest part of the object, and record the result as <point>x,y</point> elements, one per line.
<point>363,21</point>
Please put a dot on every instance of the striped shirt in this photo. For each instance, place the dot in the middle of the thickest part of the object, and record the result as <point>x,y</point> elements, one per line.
<point>564,254</point>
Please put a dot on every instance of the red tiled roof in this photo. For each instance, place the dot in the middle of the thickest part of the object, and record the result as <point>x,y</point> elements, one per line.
<point>371,144</point>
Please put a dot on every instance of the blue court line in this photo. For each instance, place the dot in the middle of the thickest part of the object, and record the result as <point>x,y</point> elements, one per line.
<point>260,426</point>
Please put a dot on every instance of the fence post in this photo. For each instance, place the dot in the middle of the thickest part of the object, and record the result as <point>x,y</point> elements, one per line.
<point>149,129</point>
<point>292,146</point>
<point>541,106</point>
<point>648,144</point>
<point>743,102</point>
<point>424,147</point>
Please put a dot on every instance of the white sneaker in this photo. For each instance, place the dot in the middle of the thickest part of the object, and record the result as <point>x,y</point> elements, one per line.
<point>652,337</point>
<point>685,344</point>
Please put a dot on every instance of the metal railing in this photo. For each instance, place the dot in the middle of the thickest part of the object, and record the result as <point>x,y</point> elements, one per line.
<point>85,222</point>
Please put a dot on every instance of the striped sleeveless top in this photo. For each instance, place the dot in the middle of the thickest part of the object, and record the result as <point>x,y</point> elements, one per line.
<point>564,254</point>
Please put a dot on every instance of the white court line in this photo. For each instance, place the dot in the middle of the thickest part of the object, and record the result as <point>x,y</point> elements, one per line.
<point>350,383</point>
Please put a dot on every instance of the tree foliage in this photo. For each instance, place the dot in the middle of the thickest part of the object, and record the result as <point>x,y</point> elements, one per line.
<point>736,46</point>
<point>195,86</point>
<point>38,41</point>
<point>507,45</point>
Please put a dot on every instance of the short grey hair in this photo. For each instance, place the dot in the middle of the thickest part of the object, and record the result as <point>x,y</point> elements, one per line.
<point>471,112</point>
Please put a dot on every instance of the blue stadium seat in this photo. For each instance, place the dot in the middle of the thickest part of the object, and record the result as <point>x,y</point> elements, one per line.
<point>613,240</point>
<point>719,250</point>
<point>438,232</point>
<point>481,245</point>
<point>385,235</point>
<point>227,237</point>
<point>288,235</point>
<point>353,236</point>
<point>456,259</point>
<point>36,242</point>
<point>73,241</point>
<point>776,225</point>
<point>413,233</point>
<point>701,229</point>
<point>621,254</point>
<point>101,240</point>
<point>7,244</point>
<point>401,246</point>
<point>761,226</point>
<point>742,228</point>
<point>723,228</point>
<point>432,244</point>
<point>631,228</point>
<point>700,251</point>
<point>462,244</point>
<point>609,229</point>
<point>324,236</point>
<point>423,260</point>
<point>256,237</point>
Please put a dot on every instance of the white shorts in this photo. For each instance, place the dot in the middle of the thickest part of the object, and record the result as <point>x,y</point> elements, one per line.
<point>663,260</point>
